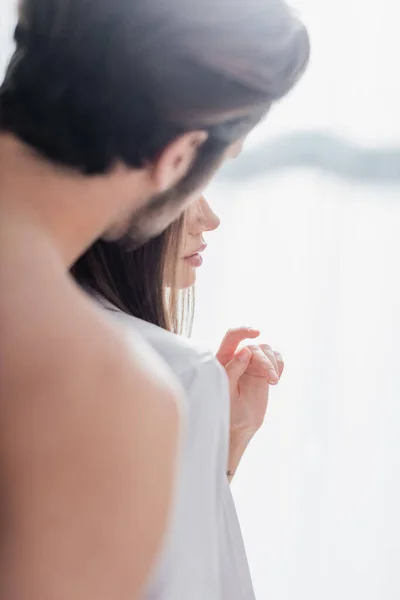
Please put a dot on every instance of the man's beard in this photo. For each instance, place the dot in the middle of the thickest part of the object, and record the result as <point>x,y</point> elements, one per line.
<point>159,212</point>
<point>155,216</point>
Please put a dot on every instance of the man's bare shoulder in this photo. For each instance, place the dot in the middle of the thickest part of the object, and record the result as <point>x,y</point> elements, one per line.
<point>55,339</point>
<point>89,426</point>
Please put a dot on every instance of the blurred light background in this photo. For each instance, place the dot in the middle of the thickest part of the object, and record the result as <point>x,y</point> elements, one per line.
<point>308,251</point>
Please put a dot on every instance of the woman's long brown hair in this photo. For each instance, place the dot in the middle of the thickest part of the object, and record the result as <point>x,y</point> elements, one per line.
<point>140,282</point>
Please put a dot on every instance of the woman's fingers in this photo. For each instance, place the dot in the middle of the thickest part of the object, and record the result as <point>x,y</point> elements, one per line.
<point>231,342</point>
<point>281,364</point>
<point>262,366</point>
<point>265,363</point>
<point>237,366</point>
<point>270,354</point>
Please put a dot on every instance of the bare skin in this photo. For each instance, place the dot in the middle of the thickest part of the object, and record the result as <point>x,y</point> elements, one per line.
<point>83,513</point>
<point>78,499</point>
<point>250,371</point>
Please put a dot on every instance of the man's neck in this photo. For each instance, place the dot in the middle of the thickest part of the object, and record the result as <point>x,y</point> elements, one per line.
<point>69,209</point>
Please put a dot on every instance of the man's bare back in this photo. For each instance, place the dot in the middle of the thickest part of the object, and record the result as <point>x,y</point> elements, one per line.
<point>88,436</point>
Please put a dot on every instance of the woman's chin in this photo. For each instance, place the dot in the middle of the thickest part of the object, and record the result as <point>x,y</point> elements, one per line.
<point>187,279</point>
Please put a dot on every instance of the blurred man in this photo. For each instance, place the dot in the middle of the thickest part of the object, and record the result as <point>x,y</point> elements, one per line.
<point>113,116</point>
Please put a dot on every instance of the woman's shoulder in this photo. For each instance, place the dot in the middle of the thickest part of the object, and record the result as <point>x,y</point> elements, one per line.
<point>183,356</point>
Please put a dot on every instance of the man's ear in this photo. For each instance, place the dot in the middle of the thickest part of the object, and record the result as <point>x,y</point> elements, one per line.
<point>176,159</point>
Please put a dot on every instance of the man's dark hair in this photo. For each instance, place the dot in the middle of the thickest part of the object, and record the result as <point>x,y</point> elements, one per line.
<point>94,82</point>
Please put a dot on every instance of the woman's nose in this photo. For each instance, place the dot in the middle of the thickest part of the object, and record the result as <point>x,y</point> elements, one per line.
<point>210,221</point>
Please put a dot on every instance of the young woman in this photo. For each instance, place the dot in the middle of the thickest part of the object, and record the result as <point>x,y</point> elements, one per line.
<point>150,290</point>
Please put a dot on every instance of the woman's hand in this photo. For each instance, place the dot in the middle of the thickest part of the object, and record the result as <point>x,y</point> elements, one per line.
<point>250,371</point>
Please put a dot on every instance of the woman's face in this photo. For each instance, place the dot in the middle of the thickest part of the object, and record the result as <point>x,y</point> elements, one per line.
<point>199,218</point>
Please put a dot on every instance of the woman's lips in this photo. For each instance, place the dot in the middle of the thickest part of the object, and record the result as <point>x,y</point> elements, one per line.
<point>195,259</point>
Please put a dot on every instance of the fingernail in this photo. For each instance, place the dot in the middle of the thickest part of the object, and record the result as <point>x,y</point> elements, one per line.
<point>274,377</point>
<point>243,356</point>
